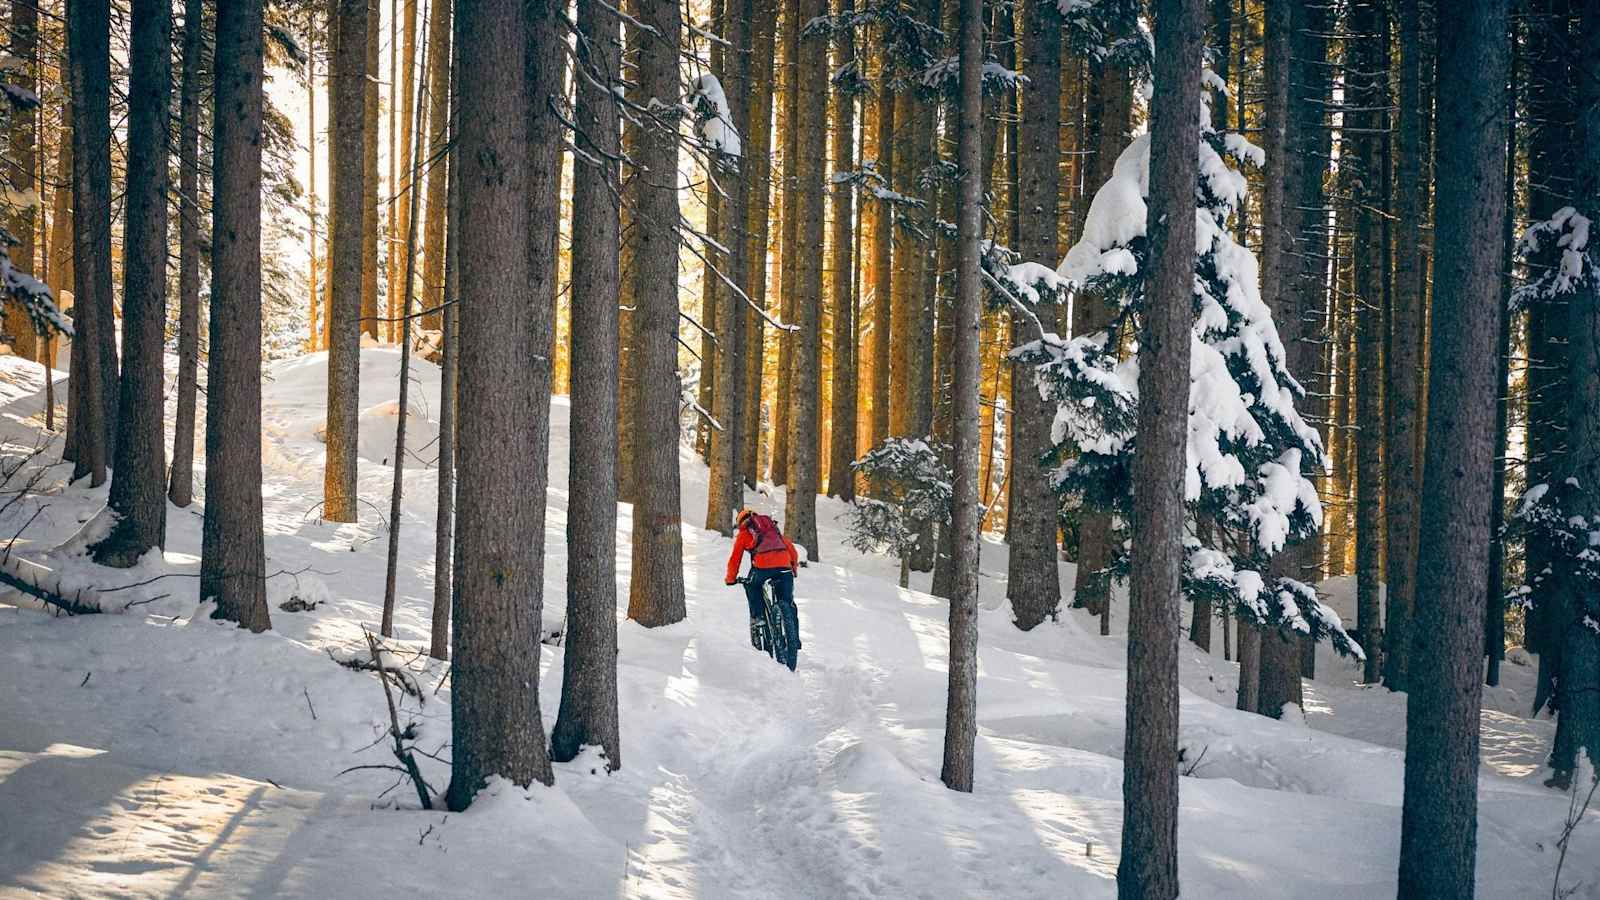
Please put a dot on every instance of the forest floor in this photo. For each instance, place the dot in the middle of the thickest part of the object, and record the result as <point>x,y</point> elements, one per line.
<point>155,752</point>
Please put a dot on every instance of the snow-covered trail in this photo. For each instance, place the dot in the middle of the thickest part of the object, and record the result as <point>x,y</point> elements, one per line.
<point>156,753</point>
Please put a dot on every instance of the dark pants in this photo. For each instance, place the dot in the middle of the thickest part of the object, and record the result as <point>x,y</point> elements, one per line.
<point>783,589</point>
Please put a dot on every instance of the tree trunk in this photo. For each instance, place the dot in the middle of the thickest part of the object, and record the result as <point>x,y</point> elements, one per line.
<point>347,85</point>
<point>758,184</point>
<point>23,163</point>
<point>883,268</point>
<point>1438,834</point>
<point>495,723</point>
<point>370,235</point>
<point>789,261</point>
<point>1248,696</point>
<point>1494,623</point>
<point>403,184</point>
<point>588,714</point>
<point>1364,94</point>
<point>181,487</point>
<point>961,710</point>
<point>450,397</point>
<point>434,245</point>
<point>726,491</point>
<point>1578,683</point>
<point>1034,585</point>
<point>232,558</point>
<point>842,422</point>
<point>800,507</point>
<point>137,497</point>
<point>1109,114</point>
<point>712,263</point>
<point>655,595</point>
<point>92,402</point>
<point>1149,866</point>
<point>1404,364</point>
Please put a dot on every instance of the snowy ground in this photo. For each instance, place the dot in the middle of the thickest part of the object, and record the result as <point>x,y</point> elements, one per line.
<point>157,753</point>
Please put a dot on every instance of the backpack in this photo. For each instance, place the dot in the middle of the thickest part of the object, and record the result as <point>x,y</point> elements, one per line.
<point>768,536</point>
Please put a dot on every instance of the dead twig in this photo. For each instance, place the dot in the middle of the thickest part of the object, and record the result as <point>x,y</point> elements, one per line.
<point>400,750</point>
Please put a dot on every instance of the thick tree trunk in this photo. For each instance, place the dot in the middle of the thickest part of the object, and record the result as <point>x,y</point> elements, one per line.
<point>961,710</point>
<point>232,557</point>
<point>137,497</point>
<point>726,493</point>
<point>1248,696</point>
<point>1403,366</point>
<point>180,490</point>
<point>1149,866</point>
<point>1438,834</point>
<point>347,153</point>
<point>800,507</point>
<point>92,401</point>
<point>494,670</point>
<point>656,587</point>
<point>588,714</point>
<point>1034,585</point>
<point>842,422</point>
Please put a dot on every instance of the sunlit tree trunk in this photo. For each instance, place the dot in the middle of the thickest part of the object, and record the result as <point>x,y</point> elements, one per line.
<point>347,81</point>
<point>181,488</point>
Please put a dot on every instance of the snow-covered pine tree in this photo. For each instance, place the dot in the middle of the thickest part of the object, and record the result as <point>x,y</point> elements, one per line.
<point>911,485</point>
<point>1250,453</point>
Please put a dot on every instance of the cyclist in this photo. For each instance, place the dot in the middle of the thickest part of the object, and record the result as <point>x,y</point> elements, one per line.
<point>772,558</point>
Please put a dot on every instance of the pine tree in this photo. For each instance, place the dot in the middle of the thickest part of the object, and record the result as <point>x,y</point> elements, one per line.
<point>758,185</point>
<point>137,498</point>
<point>232,557</point>
<point>655,591</point>
<point>811,79</point>
<point>720,115</point>
<point>435,189</point>
<point>1149,866</point>
<point>370,235</point>
<point>22,161</point>
<point>495,722</point>
<point>91,414</point>
<point>961,710</point>
<point>181,487</point>
<point>346,154</point>
<point>588,713</point>
<point>449,393</point>
<point>847,80</point>
<point>1033,585</point>
<point>1438,831</point>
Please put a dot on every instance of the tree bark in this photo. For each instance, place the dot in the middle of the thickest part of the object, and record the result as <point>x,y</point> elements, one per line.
<point>181,487</point>
<point>22,162</point>
<point>588,714</point>
<point>495,723</point>
<point>1034,584</point>
<point>93,393</point>
<point>347,86</point>
<point>1438,833</point>
<point>1578,683</point>
<point>1404,363</point>
<point>1149,866</point>
<point>137,496</point>
<point>961,710</point>
<point>800,506</point>
<point>1494,623</point>
<point>434,241</point>
<point>450,399</point>
<point>726,491</point>
<point>789,261</point>
<point>655,595</point>
<point>883,268</point>
<point>1364,94</point>
<point>370,235</point>
<point>403,183</point>
<point>232,557</point>
<point>758,184</point>
<point>842,422</point>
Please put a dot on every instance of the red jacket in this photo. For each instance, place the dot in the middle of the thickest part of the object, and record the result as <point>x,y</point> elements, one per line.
<point>745,541</point>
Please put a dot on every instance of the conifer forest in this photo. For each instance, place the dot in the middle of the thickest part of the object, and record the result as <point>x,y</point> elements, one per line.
<point>800,449</point>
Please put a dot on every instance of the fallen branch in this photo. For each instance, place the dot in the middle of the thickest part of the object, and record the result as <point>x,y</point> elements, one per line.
<point>400,750</point>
